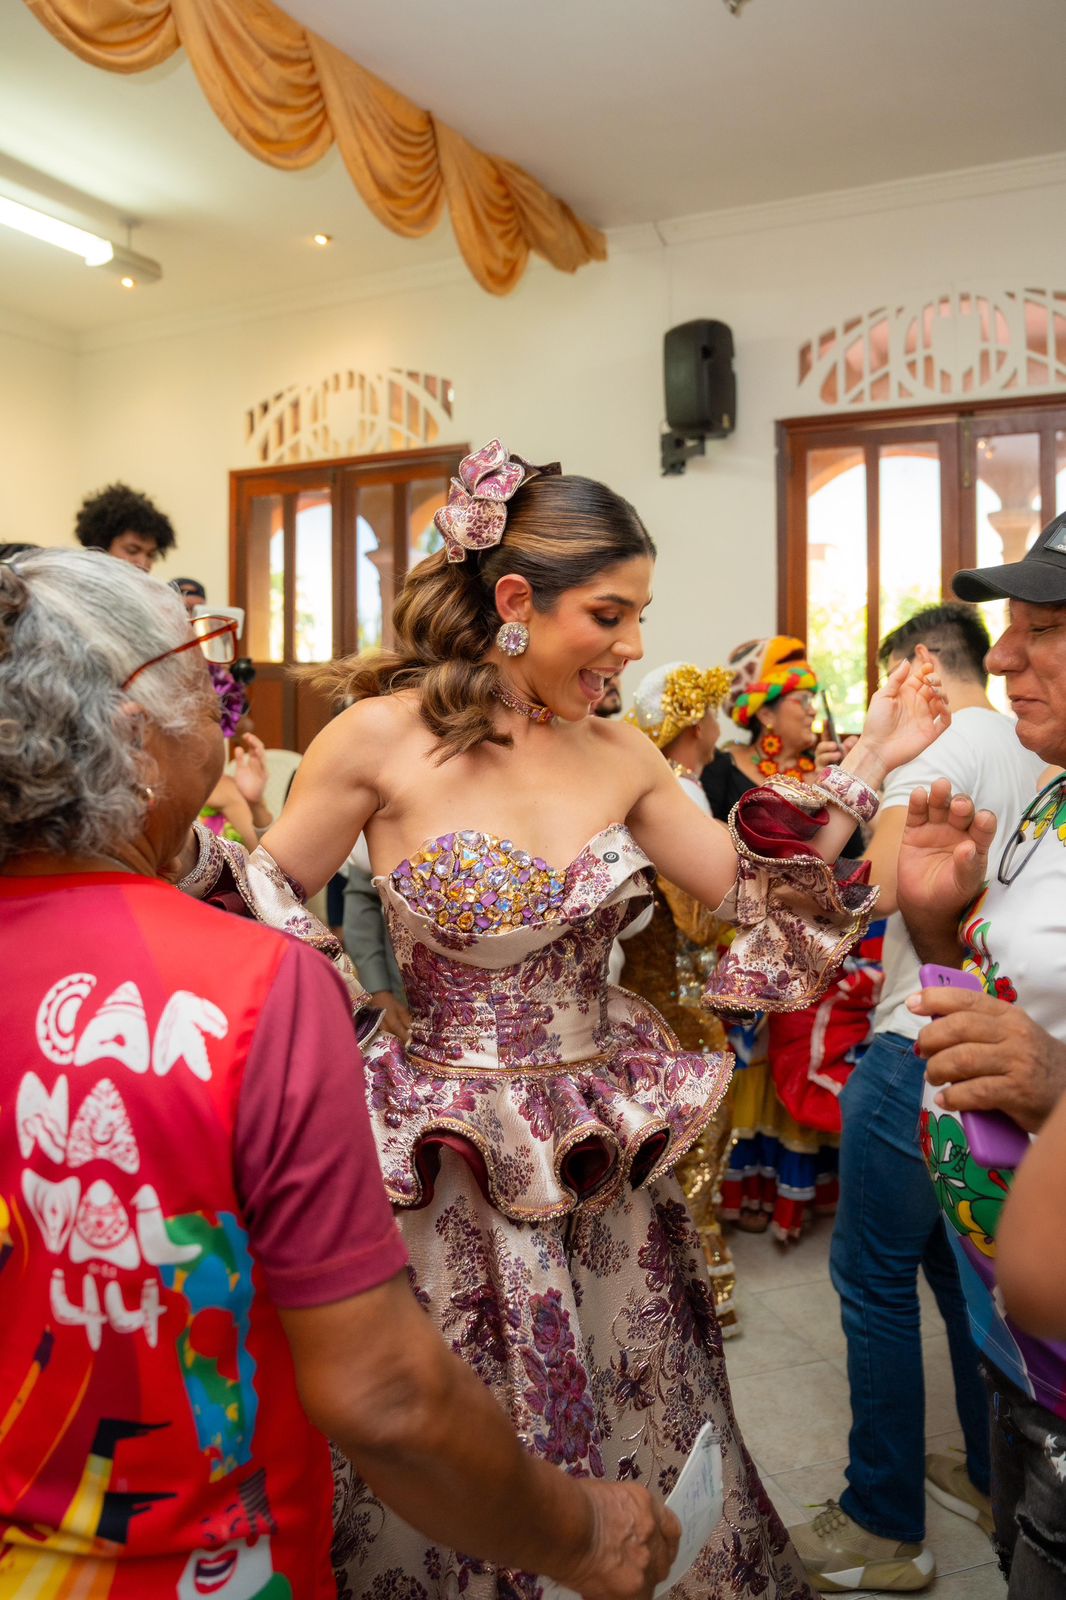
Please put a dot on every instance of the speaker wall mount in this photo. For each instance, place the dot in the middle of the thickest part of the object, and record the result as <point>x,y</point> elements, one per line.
<point>700,390</point>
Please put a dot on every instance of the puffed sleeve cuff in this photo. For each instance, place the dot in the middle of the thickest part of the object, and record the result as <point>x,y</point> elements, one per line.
<point>253,885</point>
<point>797,917</point>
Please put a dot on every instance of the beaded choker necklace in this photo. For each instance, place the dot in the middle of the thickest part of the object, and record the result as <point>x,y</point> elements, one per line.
<point>525,708</point>
<point>682,771</point>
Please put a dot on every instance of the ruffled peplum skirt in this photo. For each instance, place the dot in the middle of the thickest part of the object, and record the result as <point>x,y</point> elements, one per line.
<point>551,1245</point>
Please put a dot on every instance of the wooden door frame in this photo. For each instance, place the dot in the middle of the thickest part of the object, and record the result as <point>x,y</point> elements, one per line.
<point>956,427</point>
<point>341,479</point>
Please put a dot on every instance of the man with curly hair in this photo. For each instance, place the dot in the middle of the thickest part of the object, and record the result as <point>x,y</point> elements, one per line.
<point>125,524</point>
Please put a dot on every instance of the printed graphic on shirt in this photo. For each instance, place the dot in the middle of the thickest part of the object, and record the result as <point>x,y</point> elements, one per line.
<point>131,1361</point>
<point>974,930</point>
<point>972,1199</point>
<point>120,1030</point>
<point>235,1561</point>
<point>216,1367</point>
<point>96,1512</point>
<point>970,1196</point>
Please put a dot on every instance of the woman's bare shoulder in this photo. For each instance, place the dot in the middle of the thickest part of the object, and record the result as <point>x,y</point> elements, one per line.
<point>367,731</point>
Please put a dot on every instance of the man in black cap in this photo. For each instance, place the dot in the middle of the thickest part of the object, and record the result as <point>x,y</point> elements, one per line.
<point>1003,1050</point>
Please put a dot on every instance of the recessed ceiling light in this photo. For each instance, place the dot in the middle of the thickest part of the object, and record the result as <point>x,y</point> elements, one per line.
<point>322,239</point>
<point>128,282</point>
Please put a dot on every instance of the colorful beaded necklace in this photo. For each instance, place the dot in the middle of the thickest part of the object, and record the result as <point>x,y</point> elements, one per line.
<point>525,708</point>
<point>769,746</point>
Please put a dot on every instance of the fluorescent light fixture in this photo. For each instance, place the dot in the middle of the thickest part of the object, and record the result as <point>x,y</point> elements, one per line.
<point>94,250</point>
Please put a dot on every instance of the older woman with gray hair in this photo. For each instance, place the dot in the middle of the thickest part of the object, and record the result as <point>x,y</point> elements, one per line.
<point>198,1265</point>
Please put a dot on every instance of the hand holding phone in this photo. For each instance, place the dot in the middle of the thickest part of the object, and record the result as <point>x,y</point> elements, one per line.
<point>829,727</point>
<point>995,1140</point>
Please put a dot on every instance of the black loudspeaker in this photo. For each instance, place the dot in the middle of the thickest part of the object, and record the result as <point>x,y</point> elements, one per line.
<point>701,389</point>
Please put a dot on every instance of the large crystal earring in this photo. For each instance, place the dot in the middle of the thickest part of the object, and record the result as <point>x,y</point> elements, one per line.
<point>513,638</point>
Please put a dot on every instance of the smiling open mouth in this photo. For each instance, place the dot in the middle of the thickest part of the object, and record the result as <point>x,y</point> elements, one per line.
<point>593,683</point>
<point>212,1573</point>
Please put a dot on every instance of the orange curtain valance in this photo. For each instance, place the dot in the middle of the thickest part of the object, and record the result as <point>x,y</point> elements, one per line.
<point>286,95</point>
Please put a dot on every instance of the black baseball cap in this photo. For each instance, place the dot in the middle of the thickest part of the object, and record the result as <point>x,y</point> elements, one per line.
<point>1039,577</point>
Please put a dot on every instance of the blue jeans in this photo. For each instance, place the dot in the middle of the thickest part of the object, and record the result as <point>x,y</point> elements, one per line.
<point>1029,1455</point>
<point>888,1225</point>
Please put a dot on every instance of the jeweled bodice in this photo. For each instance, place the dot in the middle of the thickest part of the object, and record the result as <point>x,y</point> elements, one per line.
<point>504,957</point>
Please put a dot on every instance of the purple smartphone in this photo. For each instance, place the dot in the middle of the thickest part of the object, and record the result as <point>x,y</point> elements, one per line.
<point>995,1139</point>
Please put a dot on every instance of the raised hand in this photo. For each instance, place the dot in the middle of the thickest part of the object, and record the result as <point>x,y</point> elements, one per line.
<point>633,1544</point>
<point>250,768</point>
<point>943,855</point>
<point>906,714</point>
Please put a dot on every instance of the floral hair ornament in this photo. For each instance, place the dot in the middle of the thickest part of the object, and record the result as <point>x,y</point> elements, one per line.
<point>675,697</point>
<point>476,513</point>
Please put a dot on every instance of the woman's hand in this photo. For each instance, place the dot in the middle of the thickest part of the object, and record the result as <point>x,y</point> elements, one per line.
<point>943,855</point>
<point>395,1016</point>
<point>250,768</point>
<point>906,714</point>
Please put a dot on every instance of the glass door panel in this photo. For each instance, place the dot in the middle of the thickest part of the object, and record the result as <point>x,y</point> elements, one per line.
<point>266,578</point>
<point>837,577</point>
<point>374,576</point>
<point>1008,517</point>
<point>313,615</point>
<point>908,531</point>
<point>425,496</point>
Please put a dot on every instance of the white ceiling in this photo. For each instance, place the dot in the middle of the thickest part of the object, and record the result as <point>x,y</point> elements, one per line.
<point>634,111</point>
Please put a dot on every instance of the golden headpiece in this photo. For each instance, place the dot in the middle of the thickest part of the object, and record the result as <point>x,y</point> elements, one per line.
<point>675,697</point>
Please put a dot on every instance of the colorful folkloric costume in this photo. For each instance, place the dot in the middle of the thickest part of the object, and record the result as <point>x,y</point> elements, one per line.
<point>670,960</point>
<point>791,1067</point>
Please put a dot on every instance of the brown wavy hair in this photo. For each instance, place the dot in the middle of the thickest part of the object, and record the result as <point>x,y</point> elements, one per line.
<point>561,532</point>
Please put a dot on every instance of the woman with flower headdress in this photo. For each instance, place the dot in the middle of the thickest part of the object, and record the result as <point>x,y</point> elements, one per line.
<point>529,1130</point>
<point>670,959</point>
<point>786,1120</point>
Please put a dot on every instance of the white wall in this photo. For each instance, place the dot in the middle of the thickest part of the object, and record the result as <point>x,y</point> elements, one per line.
<point>39,451</point>
<point>571,368</point>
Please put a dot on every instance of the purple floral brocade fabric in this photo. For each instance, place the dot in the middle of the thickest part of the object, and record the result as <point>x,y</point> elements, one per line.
<point>527,1136</point>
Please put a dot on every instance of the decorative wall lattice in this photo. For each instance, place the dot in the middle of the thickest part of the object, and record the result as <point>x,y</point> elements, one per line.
<point>349,414</point>
<point>961,343</point>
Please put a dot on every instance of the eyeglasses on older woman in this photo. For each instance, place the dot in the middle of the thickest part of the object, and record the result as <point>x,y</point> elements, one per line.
<point>215,636</point>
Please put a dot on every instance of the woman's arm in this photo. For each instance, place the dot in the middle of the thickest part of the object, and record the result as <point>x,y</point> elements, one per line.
<point>334,794</point>
<point>697,854</point>
<point>227,798</point>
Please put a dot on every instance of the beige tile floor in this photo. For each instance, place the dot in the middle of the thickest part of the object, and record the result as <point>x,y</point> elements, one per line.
<point>789,1380</point>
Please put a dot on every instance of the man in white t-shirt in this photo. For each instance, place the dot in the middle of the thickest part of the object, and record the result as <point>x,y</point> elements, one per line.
<point>888,1224</point>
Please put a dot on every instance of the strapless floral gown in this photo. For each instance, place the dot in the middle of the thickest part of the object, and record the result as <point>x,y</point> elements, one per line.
<point>528,1135</point>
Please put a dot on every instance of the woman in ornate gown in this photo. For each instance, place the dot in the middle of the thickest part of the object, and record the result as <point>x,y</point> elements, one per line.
<point>529,1129</point>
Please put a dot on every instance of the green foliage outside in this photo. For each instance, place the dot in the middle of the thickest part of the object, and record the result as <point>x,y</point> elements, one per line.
<point>836,644</point>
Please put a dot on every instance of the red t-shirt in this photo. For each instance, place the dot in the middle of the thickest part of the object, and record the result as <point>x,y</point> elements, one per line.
<point>184,1146</point>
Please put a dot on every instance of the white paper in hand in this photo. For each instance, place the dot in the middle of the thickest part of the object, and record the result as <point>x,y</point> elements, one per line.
<point>697,1503</point>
